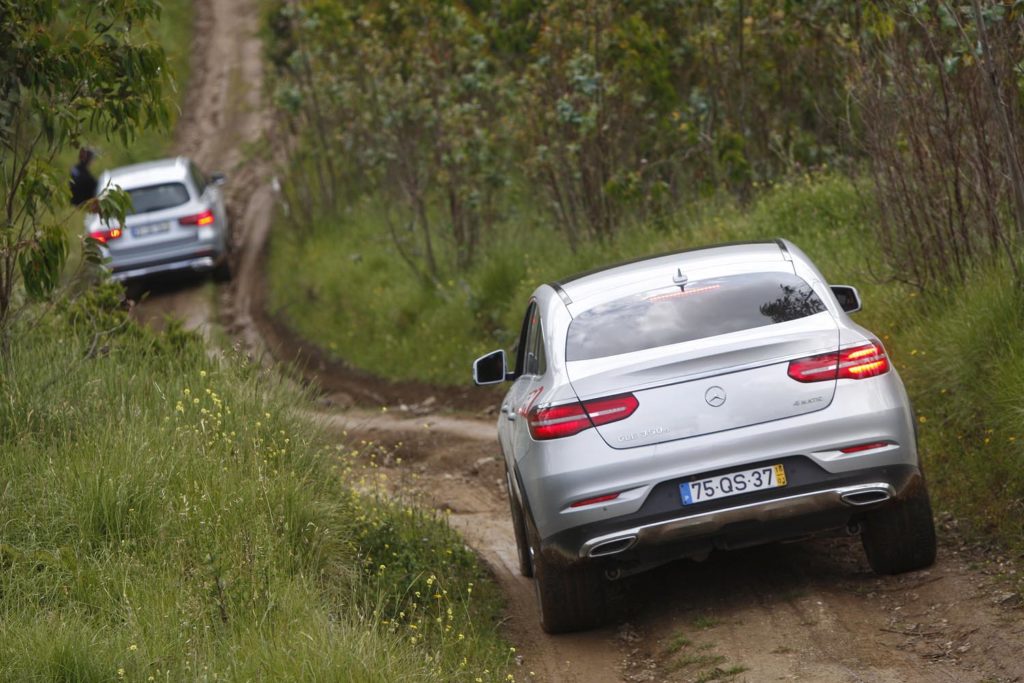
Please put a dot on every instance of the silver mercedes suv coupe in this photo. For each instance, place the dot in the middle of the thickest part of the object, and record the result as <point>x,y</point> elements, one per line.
<point>716,398</point>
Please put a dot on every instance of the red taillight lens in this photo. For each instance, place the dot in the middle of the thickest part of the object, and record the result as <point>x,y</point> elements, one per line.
<point>864,361</point>
<point>866,446</point>
<point>204,218</point>
<point>104,236</point>
<point>867,360</point>
<point>815,368</point>
<point>557,422</point>
<point>605,410</point>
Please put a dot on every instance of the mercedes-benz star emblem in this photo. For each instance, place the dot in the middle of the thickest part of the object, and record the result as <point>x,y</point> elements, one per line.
<point>715,396</point>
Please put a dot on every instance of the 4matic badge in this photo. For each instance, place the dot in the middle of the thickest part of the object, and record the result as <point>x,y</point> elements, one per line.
<point>653,431</point>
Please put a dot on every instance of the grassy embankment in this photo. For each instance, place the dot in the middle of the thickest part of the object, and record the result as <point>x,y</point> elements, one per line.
<point>169,516</point>
<point>959,350</point>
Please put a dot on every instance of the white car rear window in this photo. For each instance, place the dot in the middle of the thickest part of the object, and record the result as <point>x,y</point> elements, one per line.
<point>703,308</point>
<point>158,197</point>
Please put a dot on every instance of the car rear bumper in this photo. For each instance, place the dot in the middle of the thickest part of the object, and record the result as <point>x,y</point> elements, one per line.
<point>651,536</point>
<point>199,263</point>
<point>198,250</point>
<point>556,475</point>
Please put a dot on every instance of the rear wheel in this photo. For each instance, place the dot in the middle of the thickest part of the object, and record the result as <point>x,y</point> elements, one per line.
<point>133,290</point>
<point>901,538</point>
<point>570,597</point>
<point>519,528</point>
<point>222,271</point>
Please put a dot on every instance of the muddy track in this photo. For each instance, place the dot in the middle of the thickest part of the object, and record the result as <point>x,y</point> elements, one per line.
<point>808,611</point>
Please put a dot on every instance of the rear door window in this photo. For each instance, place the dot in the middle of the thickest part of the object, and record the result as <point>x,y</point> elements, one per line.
<point>158,197</point>
<point>198,179</point>
<point>704,308</point>
<point>530,359</point>
<point>536,362</point>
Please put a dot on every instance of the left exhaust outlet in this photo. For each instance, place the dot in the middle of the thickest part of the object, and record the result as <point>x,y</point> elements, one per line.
<point>612,547</point>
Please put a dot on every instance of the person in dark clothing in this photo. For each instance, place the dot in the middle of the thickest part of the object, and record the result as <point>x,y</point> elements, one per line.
<point>83,184</point>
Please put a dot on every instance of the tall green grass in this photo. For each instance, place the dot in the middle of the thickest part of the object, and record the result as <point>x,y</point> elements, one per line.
<point>963,360</point>
<point>960,350</point>
<point>165,515</point>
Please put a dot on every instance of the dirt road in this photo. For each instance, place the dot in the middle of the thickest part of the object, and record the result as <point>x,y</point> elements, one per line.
<point>810,611</point>
<point>223,120</point>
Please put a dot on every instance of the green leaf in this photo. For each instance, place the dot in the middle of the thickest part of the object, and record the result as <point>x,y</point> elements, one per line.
<point>42,263</point>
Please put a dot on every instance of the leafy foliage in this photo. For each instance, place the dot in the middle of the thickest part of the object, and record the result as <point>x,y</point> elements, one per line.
<point>943,111</point>
<point>607,112</point>
<point>614,113</point>
<point>67,70</point>
<point>610,113</point>
<point>404,91</point>
<point>629,107</point>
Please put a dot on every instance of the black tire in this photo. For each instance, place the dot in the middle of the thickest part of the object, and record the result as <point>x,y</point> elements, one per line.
<point>134,290</point>
<point>570,597</point>
<point>901,538</point>
<point>519,528</point>
<point>222,271</point>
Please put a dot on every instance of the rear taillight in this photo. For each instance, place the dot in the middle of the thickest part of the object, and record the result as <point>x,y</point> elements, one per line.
<point>204,218</point>
<point>612,409</point>
<point>867,360</point>
<point>104,236</point>
<point>557,422</point>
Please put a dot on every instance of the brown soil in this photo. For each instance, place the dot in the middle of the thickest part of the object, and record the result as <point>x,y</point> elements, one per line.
<point>344,384</point>
<point>808,611</point>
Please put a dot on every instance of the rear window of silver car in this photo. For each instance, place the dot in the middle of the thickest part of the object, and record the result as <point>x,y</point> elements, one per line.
<point>158,197</point>
<point>704,308</point>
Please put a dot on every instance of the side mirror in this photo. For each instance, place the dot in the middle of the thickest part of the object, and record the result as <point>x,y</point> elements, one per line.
<point>490,369</point>
<point>848,298</point>
<point>218,179</point>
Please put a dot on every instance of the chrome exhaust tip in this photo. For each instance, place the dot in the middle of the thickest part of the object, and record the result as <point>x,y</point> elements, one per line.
<point>612,547</point>
<point>203,263</point>
<point>868,495</point>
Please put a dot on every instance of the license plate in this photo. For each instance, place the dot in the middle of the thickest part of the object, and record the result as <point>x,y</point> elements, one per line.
<point>733,484</point>
<point>151,229</point>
